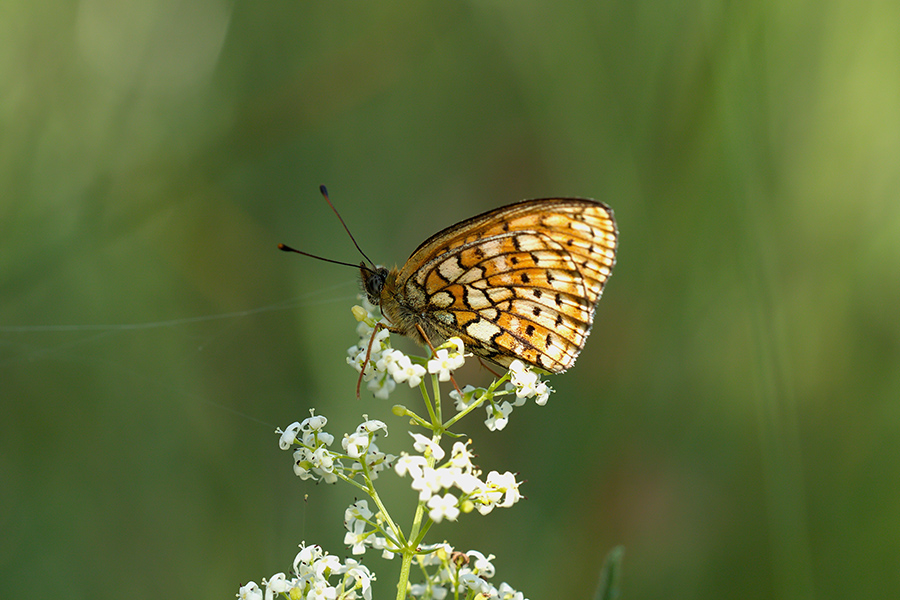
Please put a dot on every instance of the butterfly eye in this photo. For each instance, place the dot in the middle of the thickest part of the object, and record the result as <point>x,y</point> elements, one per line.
<point>373,282</point>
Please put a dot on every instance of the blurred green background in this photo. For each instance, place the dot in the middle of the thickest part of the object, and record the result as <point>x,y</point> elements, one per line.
<point>734,420</point>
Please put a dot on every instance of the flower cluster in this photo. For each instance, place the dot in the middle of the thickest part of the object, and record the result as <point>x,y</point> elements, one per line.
<point>363,529</point>
<point>446,485</point>
<point>386,367</point>
<point>522,380</point>
<point>313,460</point>
<point>458,472</point>
<point>311,579</point>
<point>462,574</point>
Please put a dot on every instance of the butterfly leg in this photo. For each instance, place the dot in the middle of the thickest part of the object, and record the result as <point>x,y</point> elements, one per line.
<point>362,372</point>
<point>379,326</point>
<point>487,368</point>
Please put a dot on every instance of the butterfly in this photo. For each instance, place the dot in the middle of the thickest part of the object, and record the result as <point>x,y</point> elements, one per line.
<point>518,282</point>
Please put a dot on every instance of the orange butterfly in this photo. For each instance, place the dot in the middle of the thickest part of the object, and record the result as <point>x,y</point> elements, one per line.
<point>517,282</point>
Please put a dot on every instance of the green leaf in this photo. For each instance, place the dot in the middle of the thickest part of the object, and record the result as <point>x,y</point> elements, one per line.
<point>608,588</point>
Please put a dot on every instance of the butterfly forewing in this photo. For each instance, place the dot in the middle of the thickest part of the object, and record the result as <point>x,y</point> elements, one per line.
<point>520,281</point>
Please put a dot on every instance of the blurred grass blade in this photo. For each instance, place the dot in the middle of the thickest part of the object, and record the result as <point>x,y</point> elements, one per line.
<point>608,589</point>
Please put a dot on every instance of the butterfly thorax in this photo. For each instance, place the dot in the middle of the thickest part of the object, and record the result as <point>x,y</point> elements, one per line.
<point>382,287</point>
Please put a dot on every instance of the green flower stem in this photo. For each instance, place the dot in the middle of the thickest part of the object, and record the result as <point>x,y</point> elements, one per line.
<point>405,565</point>
<point>418,539</point>
<point>437,405</point>
<point>369,488</point>
<point>417,532</point>
<point>424,389</point>
<point>403,411</point>
<point>488,395</point>
<point>352,482</point>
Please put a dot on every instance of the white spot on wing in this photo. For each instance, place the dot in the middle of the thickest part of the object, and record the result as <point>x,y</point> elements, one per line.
<point>476,299</point>
<point>450,269</point>
<point>471,276</point>
<point>482,330</point>
<point>530,243</point>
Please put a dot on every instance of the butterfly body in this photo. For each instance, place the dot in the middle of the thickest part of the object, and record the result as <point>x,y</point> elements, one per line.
<point>517,282</point>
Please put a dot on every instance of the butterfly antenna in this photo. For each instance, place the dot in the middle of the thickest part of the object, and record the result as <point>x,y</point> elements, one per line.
<point>287,248</point>
<point>324,191</point>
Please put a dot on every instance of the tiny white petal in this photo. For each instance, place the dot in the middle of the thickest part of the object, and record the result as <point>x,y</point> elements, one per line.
<point>443,507</point>
<point>288,435</point>
<point>425,445</point>
<point>250,591</point>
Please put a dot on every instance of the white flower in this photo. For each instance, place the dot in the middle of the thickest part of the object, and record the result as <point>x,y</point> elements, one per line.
<point>315,464</point>
<point>288,435</point>
<point>505,592</point>
<point>377,460</point>
<point>356,356</point>
<point>499,490</point>
<point>278,584</point>
<point>498,416</point>
<point>475,583</point>
<point>313,422</point>
<point>387,547</point>
<point>307,555</point>
<point>482,564</point>
<point>364,331</point>
<point>356,536</point>
<point>542,391</point>
<point>506,482</point>
<point>442,364</point>
<point>447,476</point>
<point>459,346</point>
<point>460,456</point>
<point>428,484</point>
<point>323,459</point>
<point>425,446</point>
<point>468,483</point>
<point>381,387</point>
<point>356,443</point>
<point>407,371</point>
<point>516,369</point>
<point>388,362</point>
<point>312,431</point>
<point>443,507</point>
<point>380,338</point>
<point>468,396</point>
<point>527,384</point>
<point>372,425</point>
<point>250,591</point>
<point>327,564</point>
<point>320,590</point>
<point>363,578</point>
<point>410,464</point>
<point>357,510</point>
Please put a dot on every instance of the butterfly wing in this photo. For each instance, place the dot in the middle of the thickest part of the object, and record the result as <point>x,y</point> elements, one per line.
<point>520,281</point>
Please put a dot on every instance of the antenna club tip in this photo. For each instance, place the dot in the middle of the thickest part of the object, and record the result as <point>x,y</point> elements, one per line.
<point>323,190</point>
<point>285,248</point>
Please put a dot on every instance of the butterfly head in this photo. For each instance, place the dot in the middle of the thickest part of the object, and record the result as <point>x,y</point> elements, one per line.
<point>373,281</point>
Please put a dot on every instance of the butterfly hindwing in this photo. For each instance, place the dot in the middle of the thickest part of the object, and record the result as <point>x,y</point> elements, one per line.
<point>520,281</point>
